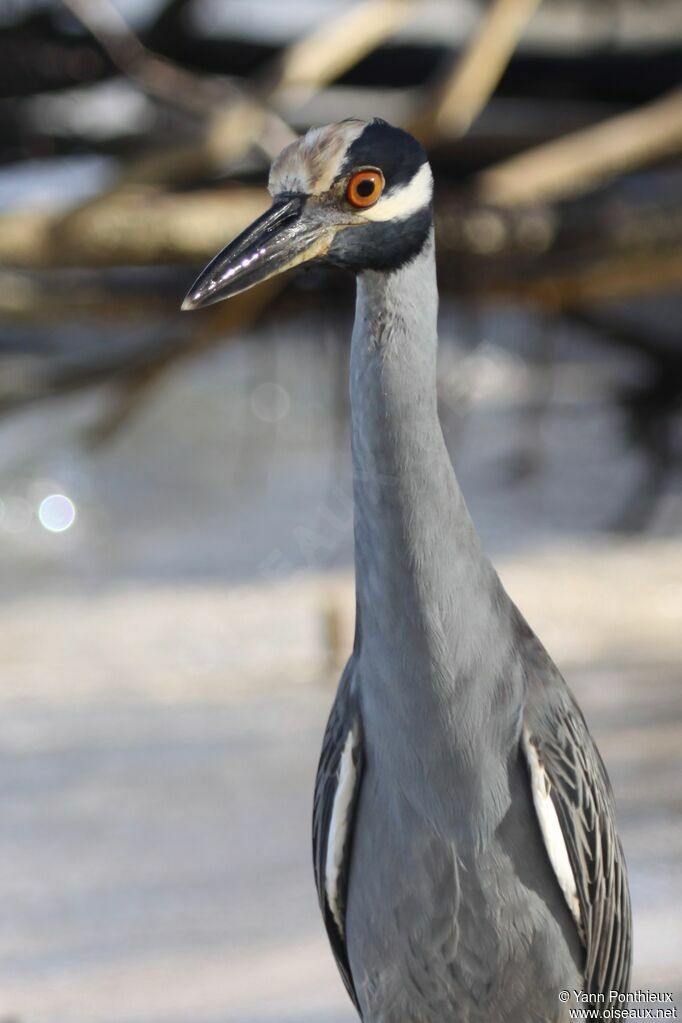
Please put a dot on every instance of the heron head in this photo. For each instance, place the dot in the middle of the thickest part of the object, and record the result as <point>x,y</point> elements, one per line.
<point>356,194</point>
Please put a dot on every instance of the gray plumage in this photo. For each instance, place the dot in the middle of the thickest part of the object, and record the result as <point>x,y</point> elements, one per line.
<point>465,849</point>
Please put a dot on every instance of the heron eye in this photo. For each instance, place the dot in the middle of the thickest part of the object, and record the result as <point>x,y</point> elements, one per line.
<point>365,187</point>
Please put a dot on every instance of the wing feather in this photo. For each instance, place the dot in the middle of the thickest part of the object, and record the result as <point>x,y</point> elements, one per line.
<point>337,787</point>
<point>557,742</point>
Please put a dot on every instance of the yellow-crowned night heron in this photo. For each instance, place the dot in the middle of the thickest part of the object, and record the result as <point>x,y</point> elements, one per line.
<point>465,849</point>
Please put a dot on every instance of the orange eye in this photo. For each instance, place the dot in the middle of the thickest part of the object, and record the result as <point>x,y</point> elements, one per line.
<point>364,188</point>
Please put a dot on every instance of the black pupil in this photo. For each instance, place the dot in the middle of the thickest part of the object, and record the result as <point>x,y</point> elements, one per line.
<point>365,188</point>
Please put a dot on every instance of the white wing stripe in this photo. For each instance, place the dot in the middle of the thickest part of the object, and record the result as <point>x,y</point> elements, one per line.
<point>551,828</point>
<point>338,830</point>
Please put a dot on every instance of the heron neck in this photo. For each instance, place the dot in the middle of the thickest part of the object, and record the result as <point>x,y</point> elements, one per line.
<point>416,551</point>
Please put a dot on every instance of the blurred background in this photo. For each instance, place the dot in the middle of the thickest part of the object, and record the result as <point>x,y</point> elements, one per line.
<point>175,499</point>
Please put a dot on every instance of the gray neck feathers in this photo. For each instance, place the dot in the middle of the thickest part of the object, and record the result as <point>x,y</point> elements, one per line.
<point>421,575</point>
<point>436,667</point>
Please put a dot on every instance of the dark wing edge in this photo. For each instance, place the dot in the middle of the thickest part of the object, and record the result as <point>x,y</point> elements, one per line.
<point>581,794</point>
<point>337,786</point>
<point>557,738</point>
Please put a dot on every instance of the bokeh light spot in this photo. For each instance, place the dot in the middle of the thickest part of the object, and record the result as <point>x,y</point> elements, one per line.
<point>57,513</point>
<point>270,402</point>
<point>15,515</point>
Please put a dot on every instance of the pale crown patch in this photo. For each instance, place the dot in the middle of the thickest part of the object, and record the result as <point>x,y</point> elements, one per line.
<point>312,163</point>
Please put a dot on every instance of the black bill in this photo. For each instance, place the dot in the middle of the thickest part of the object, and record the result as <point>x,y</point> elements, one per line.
<point>283,237</point>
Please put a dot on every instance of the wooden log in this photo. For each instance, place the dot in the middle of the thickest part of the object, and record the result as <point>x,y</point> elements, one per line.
<point>624,275</point>
<point>468,87</point>
<point>575,163</point>
<point>518,252</point>
<point>137,228</point>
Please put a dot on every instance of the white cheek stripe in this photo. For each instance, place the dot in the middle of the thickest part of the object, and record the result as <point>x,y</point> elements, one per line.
<point>338,831</point>
<point>551,828</point>
<point>406,200</point>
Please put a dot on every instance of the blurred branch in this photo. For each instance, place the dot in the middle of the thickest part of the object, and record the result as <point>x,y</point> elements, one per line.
<point>623,332</point>
<point>572,164</point>
<point>146,228</point>
<point>515,252</point>
<point>25,300</point>
<point>466,90</point>
<point>135,227</point>
<point>309,63</point>
<point>331,49</point>
<point>155,75</point>
<point>215,324</point>
<point>122,226</point>
<point>620,275</point>
<point>548,257</point>
<point>135,372</point>
<point>249,120</point>
<point>233,119</point>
